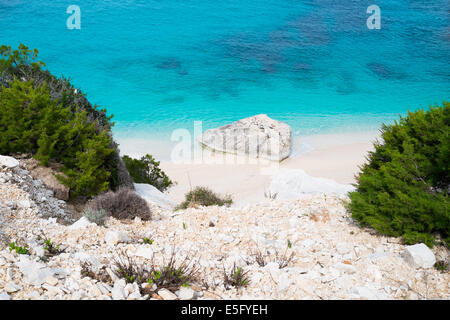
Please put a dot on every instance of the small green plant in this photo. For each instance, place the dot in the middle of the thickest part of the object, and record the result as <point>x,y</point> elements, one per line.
<point>441,265</point>
<point>202,196</point>
<point>289,244</point>
<point>235,277</point>
<point>155,276</point>
<point>146,170</point>
<point>96,216</point>
<point>184,226</point>
<point>51,249</point>
<point>18,249</point>
<point>148,241</point>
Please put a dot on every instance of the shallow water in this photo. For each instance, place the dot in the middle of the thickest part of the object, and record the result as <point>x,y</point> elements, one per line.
<point>159,65</point>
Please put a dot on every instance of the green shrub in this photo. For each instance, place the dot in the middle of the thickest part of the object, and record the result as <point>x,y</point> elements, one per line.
<point>202,196</point>
<point>31,122</point>
<point>146,170</point>
<point>96,216</point>
<point>20,62</point>
<point>403,188</point>
<point>46,117</point>
<point>122,204</point>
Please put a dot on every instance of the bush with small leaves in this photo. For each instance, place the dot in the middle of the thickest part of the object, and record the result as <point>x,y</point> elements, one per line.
<point>96,216</point>
<point>202,196</point>
<point>122,204</point>
<point>147,170</point>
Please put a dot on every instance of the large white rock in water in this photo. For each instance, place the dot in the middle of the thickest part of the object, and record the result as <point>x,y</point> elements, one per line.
<point>153,195</point>
<point>419,256</point>
<point>257,136</point>
<point>289,184</point>
<point>8,162</point>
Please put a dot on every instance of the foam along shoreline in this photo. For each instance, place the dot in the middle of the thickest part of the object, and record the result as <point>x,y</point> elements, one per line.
<point>331,156</point>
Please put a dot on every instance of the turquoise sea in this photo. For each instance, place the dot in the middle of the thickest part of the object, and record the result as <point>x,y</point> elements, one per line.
<point>158,65</point>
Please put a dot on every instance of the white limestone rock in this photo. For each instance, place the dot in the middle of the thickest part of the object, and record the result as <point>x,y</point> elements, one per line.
<point>258,136</point>
<point>118,292</point>
<point>26,204</point>
<point>167,295</point>
<point>82,223</point>
<point>151,194</point>
<point>419,256</point>
<point>34,273</point>
<point>114,237</point>
<point>4,296</point>
<point>134,296</point>
<point>291,184</point>
<point>11,287</point>
<point>84,257</point>
<point>342,248</point>
<point>345,268</point>
<point>146,253</point>
<point>283,283</point>
<point>8,162</point>
<point>51,281</point>
<point>366,293</point>
<point>186,293</point>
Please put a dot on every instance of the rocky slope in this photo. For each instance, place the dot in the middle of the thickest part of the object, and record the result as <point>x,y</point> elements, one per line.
<point>332,257</point>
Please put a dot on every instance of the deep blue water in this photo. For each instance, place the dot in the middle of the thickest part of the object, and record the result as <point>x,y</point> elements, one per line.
<point>158,65</point>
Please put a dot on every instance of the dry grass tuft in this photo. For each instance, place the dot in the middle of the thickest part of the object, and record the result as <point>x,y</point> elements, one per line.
<point>174,272</point>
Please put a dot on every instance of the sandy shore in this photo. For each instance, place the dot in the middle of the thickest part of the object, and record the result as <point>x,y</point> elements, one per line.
<point>333,156</point>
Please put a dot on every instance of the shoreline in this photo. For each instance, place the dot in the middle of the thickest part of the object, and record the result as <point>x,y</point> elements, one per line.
<point>333,156</point>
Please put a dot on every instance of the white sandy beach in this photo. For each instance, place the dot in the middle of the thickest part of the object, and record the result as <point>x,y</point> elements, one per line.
<point>333,156</point>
